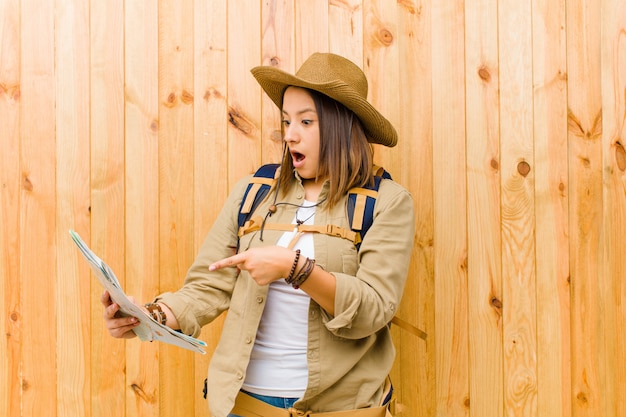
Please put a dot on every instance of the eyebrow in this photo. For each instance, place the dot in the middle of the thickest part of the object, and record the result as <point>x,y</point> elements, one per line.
<point>305,110</point>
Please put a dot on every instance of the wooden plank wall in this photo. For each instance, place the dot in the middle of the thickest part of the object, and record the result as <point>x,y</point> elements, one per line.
<point>129,121</point>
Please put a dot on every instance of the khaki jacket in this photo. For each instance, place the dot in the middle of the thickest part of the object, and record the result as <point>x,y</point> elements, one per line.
<point>349,354</point>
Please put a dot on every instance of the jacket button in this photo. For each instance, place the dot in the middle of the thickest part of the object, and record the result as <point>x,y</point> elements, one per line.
<point>239,375</point>
<point>248,340</point>
<point>259,300</point>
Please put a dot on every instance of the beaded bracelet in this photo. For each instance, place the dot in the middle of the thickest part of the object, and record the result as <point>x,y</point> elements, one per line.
<point>303,273</point>
<point>293,267</point>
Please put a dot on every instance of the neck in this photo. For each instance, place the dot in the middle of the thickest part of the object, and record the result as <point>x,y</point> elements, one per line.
<point>312,189</point>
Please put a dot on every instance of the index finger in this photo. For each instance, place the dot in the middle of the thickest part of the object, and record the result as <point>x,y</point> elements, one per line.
<point>226,262</point>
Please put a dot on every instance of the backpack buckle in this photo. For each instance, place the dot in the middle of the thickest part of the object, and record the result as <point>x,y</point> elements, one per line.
<point>333,230</point>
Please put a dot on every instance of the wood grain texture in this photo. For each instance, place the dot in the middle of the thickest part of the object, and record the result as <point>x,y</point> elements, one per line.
<point>586,206</point>
<point>176,191</point>
<point>131,121</point>
<point>518,215</point>
<point>345,29</point>
<point>277,50</point>
<point>37,226</point>
<point>244,93</point>
<point>551,208</point>
<point>312,29</point>
<point>106,201</point>
<point>450,207</point>
<point>382,43</point>
<point>141,184</point>
<point>613,273</point>
<point>210,149</point>
<point>10,191</point>
<point>73,188</point>
<point>485,298</point>
<point>415,145</point>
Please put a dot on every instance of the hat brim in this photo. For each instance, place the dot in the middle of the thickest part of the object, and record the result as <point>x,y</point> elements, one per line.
<point>379,130</point>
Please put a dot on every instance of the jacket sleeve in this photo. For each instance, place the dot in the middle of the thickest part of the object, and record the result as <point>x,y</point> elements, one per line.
<point>205,295</point>
<point>367,302</point>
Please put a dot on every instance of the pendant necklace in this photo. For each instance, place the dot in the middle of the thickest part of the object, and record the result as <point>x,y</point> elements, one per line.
<point>299,223</point>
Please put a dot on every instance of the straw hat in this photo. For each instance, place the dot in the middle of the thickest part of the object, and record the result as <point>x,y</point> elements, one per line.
<point>339,79</point>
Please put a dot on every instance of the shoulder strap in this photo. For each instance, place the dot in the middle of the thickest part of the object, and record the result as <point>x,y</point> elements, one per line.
<point>360,206</point>
<point>361,202</point>
<point>257,190</point>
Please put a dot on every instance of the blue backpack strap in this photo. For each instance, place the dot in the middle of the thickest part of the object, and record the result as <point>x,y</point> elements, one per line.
<point>361,202</point>
<point>258,188</point>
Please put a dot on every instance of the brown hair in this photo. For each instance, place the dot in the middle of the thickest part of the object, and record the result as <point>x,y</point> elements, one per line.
<point>346,156</point>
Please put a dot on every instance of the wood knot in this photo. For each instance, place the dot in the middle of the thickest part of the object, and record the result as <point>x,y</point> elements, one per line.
<point>496,304</point>
<point>171,100</point>
<point>523,168</point>
<point>484,74</point>
<point>620,156</point>
<point>385,36</point>
<point>495,164</point>
<point>276,136</point>
<point>13,92</point>
<point>27,184</point>
<point>274,61</point>
<point>186,97</point>
<point>14,316</point>
<point>212,92</point>
<point>582,398</point>
<point>140,392</point>
<point>239,121</point>
<point>154,126</point>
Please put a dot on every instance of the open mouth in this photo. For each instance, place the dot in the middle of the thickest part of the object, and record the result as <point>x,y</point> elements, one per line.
<point>297,157</point>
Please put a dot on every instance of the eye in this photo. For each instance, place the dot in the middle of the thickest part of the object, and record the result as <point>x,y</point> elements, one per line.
<point>307,122</point>
<point>286,122</point>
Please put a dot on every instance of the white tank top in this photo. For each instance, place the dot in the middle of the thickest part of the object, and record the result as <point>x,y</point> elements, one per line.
<point>278,363</point>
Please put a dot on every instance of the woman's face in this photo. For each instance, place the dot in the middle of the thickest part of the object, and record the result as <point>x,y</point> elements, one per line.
<point>301,131</point>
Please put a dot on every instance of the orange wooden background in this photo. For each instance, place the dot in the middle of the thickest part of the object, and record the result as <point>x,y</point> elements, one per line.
<point>129,121</point>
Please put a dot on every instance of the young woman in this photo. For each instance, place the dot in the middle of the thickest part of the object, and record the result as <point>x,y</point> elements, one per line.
<point>308,313</point>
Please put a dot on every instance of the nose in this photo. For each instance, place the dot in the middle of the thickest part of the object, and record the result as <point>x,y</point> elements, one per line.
<point>289,133</point>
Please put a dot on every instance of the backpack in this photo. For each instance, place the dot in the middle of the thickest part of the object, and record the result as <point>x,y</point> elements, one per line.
<point>360,206</point>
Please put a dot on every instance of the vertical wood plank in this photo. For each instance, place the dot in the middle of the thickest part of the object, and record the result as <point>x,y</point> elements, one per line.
<point>72,55</point>
<point>380,62</point>
<point>518,222</point>
<point>244,93</point>
<point>312,29</point>
<point>345,29</point>
<point>10,139</point>
<point>415,143</point>
<point>613,275</point>
<point>37,210</point>
<point>141,184</point>
<point>450,208</point>
<point>277,49</point>
<point>585,198</point>
<point>211,148</point>
<point>552,250</point>
<point>108,205</point>
<point>483,211</point>
<point>176,191</point>
<point>382,42</point>
<point>107,196</point>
